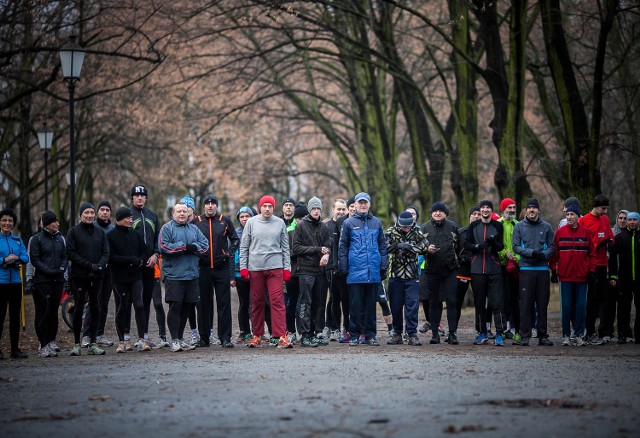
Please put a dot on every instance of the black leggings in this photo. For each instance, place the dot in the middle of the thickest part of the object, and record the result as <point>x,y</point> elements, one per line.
<point>244,305</point>
<point>293,294</point>
<point>161,318</point>
<point>129,293</point>
<point>84,288</point>
<point>46,300</point>
<point>177,318</point>
<point>11,296</point>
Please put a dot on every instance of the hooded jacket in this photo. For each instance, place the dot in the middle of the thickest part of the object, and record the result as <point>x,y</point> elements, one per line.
<point>362,252</point>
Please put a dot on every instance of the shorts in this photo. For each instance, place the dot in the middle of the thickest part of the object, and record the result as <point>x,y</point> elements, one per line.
<point>186,291</point>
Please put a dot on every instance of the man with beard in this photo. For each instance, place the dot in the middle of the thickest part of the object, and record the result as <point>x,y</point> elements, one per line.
<point>509,263</point>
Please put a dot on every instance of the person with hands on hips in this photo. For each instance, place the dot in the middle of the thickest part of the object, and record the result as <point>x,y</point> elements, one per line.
<point>265,258</point>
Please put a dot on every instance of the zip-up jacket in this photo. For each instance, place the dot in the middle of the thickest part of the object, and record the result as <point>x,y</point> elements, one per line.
<point>334,232</point>
<point>309,238</point>
<point>404,262</point>
<point>236,257</point>
<point>145,222</point>
<point>10,244</point>
<point>600,227</point>
<point>507,232</point>
<point>223,242</point>
<point>464,256</point>
<point>177,263</point>
<point>87,245</point>
<point>445,236</point>
<point>265,245</point>
<point>105,226</point>
<point>531,236</point>
<point>362,252</point>
<point>624,261</point>
<point>572,257</point>
<point>126,254</point>
<point>48,255</point>
<point>484,260</point>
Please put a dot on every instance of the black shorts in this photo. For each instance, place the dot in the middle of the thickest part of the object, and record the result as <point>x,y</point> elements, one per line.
<point>186,291</point>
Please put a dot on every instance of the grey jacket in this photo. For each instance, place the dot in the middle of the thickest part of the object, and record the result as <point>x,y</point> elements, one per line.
<point>529,237</point>
<point>265,245</point>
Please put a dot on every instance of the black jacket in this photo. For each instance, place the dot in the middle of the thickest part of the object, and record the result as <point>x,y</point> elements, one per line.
<point>145,222</point>
<point>485,241</point>
<point>444,236</point>
<point>87,245</point>
<point>126,254</point>
<point>624,260</point>
<point>223,241</point>
<point>48,255</point>
<point>464,255</point>
<point>310,236</point>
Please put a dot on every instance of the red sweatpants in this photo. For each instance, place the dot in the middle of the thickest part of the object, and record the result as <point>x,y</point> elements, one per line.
<point>271,282</point>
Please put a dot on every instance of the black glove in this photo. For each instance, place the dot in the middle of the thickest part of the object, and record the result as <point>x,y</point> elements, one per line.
<point>404,246</point>
<point>28,287</point>
<point>538,255</point>
<point>383,274</point>
<point>605,242</point>
<point>554,276</point>
<point>62,268</point>
<point>191,248</point>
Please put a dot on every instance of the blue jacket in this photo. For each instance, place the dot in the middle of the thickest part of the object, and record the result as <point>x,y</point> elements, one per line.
<point>177,264</point>
<point>11,245</point>
<point>533,236</point>
<point>362,252</point>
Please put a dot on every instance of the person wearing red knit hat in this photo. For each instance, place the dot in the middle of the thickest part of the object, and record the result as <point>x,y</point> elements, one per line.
<point>509,263</point>
<point>265,258</point>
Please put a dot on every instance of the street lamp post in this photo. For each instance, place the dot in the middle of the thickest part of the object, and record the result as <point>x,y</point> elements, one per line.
<point>71,58</point>
<point>45,138</point>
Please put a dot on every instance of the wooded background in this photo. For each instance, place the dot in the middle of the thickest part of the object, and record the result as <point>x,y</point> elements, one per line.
<point>411,101</point>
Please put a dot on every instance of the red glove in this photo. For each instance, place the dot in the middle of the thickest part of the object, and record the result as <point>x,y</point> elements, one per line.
<point>244,273</point>
<point>286,274</point>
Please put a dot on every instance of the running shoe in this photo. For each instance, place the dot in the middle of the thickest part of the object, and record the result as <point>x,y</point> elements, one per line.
<point>46,352</point>
<point>86,340</point>
<point>566,341</point>
<point>498,341</point>
<point>185,346</point>
<point>283,342</point>
<point>335,335</point>
<point>54,346</point>
<point>175,346</point>
<point>94,350</point>
<point>103,341</point>
<point>143,345</point>
<point>395,340</point>
<point>414,340</point>
<point>425,327</point>
<point>120,348</point>
<point>254,342</point>
<point>345,339</point>
<point>128,345</point>
<point>75,350</point>
<point>481,339</point>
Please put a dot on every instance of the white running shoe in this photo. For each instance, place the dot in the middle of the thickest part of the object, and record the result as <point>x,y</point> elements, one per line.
<point>53,346</point>
<point>175,346</point>
<point>85,341</point>
<point>185,346</point>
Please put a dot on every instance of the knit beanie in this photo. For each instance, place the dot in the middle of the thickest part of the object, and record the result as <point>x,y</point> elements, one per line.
<point>439,205</point>
<point>633,215</point>
<point>289,201</point>
<point>211,198</point>
<point>474,209</point>
<point>414,208</point>
<point>405,219</point>
<point>244,209</point>
<point>572,201</point>
<point>188,201</point>
<point>48,217</point>
<point>86,205</point>
<point>574,209</point>
<point>350,201</point>
<point>104,203</point>
<point>266,199</point>
<point>506,202</point>
<point>486,202</point>
<point>300,211</point>
<point>123,212</point>
<point>314,203</point>
<point>533,202</point>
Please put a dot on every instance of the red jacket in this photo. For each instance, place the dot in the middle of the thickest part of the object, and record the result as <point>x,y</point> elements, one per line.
<point>601,229</point>
<point>572,257</point>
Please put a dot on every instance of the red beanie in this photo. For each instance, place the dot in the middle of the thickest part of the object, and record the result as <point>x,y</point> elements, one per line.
<point>266,199</point>
<point>505,203</point>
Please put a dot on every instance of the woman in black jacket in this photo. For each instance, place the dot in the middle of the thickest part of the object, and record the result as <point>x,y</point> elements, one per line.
<point>48,255</point>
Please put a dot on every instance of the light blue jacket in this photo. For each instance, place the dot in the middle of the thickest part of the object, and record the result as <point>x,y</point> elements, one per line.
<point>11,245</point>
